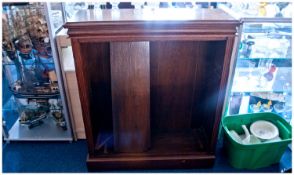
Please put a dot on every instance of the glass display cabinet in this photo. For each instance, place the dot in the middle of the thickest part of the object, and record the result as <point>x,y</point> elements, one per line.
<point>35,108</point>
<point>262,79</point>
<point>263,72</point>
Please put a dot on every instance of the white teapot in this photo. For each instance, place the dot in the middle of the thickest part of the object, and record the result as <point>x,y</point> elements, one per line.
<point>244,139</point>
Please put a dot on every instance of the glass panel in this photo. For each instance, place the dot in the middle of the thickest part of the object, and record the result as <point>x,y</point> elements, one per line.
<point>277,36</point>
<point>261,9</point>
<point>33,111</point>
<point>263,75</point>
<point>56,15</point>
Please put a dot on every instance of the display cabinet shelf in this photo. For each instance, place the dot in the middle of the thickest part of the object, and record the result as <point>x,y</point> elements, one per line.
<point>26,64</point>
<point>253,81</point>
<point>258,58</point>
<point>47,132</point>
<point>36,95</point>
<point>279,62</point>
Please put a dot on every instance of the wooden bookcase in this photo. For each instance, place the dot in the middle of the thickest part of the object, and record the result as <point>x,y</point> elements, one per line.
<point>152,85</point>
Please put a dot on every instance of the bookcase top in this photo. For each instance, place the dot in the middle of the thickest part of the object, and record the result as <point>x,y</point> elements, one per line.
<point>151,23</point>
<point>151,15</point>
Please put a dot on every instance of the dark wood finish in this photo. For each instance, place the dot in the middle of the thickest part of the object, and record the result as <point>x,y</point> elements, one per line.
<point>176,77</point>
<point>93,75</point>
<point>221,91</point>
<point>169,93</point>
<point>130,82</point>
<point>147,162</point>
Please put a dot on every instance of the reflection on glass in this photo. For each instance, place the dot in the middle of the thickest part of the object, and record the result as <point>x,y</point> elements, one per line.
<point>251,66</point>
<point>153,5</point>
<point>115,14</point>
<point>137,4</point>
<point>97,5</point>
<point>285,108</point>
<point>263,68</point>
<point>262,9</point>
<point>255,108</point>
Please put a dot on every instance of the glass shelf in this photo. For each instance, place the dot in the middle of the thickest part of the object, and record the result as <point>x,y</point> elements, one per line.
<point>278,62</point>
<point>273,28</point>
<point>247,80</point>
<point>241,105</point>
<point>274,42</point>
<point>35,94</point>
<point>252,58</point>
<point>26,64</point>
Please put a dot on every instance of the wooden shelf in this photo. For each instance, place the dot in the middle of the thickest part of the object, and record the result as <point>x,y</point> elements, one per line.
<point>192,141</point>
<point>145,161</point>
<point>186,149</point>
<point>178,143</point>
<point>152,91</point>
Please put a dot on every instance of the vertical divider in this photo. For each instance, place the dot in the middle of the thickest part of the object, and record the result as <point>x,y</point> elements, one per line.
<point>130,86</point>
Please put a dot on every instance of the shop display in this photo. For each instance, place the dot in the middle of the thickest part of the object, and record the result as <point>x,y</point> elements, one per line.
<point>30,51</point>
<point>261,9</point>
<point>29,66</point>
<point>264,60</point>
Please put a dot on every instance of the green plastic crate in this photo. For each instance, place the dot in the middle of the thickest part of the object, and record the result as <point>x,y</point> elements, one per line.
<point>256,155</point>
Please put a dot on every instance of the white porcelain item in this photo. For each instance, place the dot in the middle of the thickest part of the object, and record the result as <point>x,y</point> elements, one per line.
<point>235,136</point>
<point>276,139</point>
<point>246,140</point>
<point>249,139</point>
<point>264,130</point>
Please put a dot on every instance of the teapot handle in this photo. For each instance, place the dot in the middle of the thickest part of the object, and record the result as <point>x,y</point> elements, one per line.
<point>247,134</point>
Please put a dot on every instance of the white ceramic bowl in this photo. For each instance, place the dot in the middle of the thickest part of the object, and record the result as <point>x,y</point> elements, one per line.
<point>264,130</point>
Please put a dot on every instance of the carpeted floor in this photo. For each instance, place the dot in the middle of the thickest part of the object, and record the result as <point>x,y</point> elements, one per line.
<point>45,157</point>
<point>71,157</point>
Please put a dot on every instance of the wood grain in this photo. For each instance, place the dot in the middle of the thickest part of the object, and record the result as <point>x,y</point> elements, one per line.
<point>93,75</point>
<point>175,79</point>
<point>130,82</point>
